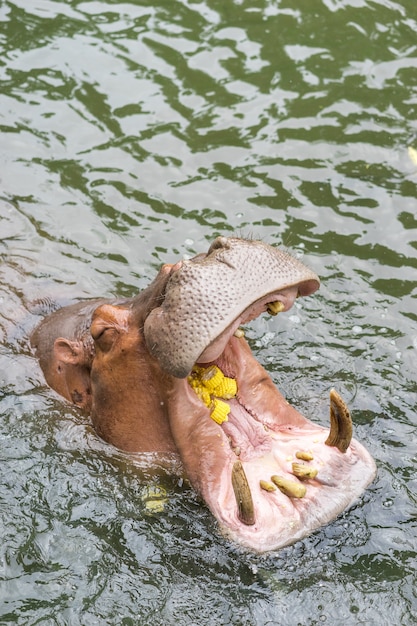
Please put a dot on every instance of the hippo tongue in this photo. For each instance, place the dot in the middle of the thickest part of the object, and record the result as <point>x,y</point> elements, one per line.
<point>209,296</point>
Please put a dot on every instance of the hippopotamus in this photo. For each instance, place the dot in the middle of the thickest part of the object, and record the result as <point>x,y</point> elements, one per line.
<point>170,371</point>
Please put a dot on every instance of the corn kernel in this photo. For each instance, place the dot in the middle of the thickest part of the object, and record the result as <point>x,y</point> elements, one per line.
<point>227,388</point>
<point>220,411</point>
<point>193,382</point>
<point>204,396</point>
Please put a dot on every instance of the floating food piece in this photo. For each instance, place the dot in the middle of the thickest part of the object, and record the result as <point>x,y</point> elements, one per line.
<point>276,307</point>
<point>303,455</point>
<point>154,498</point>
<point>220,411</point>
<point>304,472</point>
<point>412,154</point>
<point>288,487</point>
<point>267,486</point>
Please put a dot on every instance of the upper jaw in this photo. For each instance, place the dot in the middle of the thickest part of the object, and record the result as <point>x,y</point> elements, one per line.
<point>281,301</point>
<point>207,296</point>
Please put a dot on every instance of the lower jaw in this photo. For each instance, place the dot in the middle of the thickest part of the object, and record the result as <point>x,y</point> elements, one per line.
<point>254,447</point>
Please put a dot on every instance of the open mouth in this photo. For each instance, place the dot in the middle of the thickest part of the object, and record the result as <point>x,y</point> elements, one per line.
<point>281,465</point>
<point>269,475</point>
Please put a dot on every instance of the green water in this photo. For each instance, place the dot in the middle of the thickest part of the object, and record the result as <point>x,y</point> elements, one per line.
<point>131,134</point>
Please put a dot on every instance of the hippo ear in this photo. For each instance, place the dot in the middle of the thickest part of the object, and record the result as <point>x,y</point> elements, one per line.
<point>71,352</point>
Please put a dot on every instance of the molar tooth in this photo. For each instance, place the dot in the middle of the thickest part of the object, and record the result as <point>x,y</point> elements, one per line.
<point>289,487</point>
<point>239,333</point>
<point>304,472</point>
<point>275,307</point>
<point>243,494</point>
<point>303,455</point>
<point>340,434</point>
<point>267,486</point>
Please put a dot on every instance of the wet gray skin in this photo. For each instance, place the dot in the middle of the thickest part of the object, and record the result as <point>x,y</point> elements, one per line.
<point>209,296</point>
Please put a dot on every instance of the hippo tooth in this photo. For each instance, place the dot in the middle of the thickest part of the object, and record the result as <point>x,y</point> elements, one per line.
<point>304,472</point>
<point>267,486</point>
<point>340,434</point>
<point>289,487</point>
<point>303,455</point>
<point>276,307</point>
<point>239,333</point>
<point>243,494</point>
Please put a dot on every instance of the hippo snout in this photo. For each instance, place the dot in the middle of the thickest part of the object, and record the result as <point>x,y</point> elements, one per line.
<point>211,295</point>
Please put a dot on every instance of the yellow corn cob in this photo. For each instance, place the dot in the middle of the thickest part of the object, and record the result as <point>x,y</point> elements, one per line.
<point>200,390</point>
<point>220,411</point>
<point>195,374</point>
<point>193,382</point>
<point>227,388</point>
<point>212,377</point>
<point>204,395</point>
<point>210,381</point>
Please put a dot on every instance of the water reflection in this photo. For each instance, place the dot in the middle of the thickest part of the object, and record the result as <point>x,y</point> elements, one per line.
<point>131,134</point>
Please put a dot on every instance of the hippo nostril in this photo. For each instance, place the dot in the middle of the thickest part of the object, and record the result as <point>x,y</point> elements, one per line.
<point>219,242</point>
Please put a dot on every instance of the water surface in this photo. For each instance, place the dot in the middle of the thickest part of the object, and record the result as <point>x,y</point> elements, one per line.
<point>131,134</point>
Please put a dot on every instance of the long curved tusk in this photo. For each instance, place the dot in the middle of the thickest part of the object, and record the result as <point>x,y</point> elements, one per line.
<point>340,434</point>
<point>243,494</point>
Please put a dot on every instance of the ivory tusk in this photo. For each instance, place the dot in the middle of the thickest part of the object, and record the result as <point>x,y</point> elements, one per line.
<point>243,494</point>
<point>340,434</point>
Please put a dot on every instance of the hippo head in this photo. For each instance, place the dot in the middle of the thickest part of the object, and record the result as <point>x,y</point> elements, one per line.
<point>268,474</point>
<point>170,370</point>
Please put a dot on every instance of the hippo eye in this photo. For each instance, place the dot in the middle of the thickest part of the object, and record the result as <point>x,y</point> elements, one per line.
<point>103,335</point>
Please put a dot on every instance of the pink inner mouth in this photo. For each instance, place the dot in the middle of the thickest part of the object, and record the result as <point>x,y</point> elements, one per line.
<point>263,433</point>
